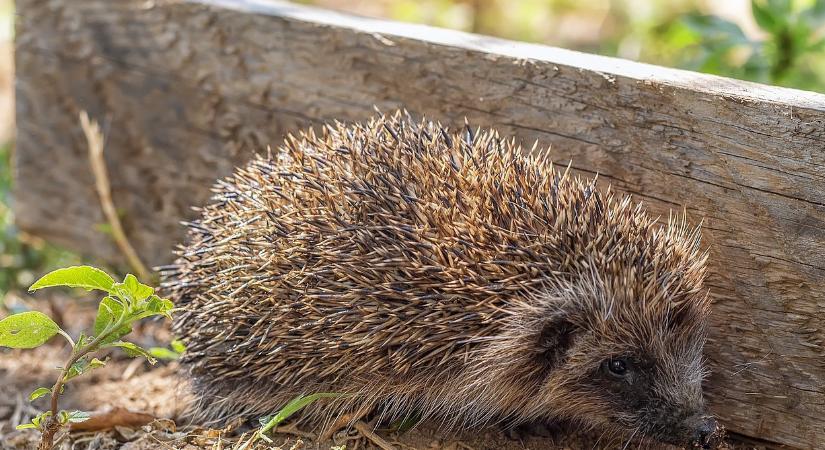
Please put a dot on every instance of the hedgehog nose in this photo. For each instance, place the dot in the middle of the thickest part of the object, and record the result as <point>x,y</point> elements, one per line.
<point>705,435</point>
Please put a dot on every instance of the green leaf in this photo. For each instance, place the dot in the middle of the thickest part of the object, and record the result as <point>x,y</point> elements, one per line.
<point>134,350</point>
<point>108,312</point>
<point>263,420</point>
<point>27,330</point>
<point>85,277</point>
<point>95,363</point>
<point>120,291</point>
<point>137,290</point>
<point>38,419</point>
<point>77,416</point>
<point>82,340</point>
<point>159,305</point>
<point>163,353</point>
<point>75,369</point>
<point>763,16</point>
<point>270,422</point>
<point>39,392</point>
<point>81,366</point>
<point>294,406</point>
<point>25,426</point>
<point>177,346</point>
<point>154,306</point>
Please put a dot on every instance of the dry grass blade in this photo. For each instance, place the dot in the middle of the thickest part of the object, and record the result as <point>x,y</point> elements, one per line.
<point>95,142</point>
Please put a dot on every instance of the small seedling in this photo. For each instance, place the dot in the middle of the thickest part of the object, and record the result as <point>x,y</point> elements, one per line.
<point>125,303</point>
<point>270,422</point>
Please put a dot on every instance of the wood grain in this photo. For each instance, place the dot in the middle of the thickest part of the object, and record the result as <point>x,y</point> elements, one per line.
<point>187,90</point>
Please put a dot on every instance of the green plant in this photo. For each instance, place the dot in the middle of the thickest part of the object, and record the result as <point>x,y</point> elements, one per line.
<point>270,422</point>
<point>125,303</point>
<point>175,350</point>
<point>789,54</point>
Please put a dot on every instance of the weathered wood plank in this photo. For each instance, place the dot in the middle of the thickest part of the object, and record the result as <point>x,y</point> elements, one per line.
<point>190,89</point>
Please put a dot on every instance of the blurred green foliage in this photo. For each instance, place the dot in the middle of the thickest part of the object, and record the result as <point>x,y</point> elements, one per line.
<point>22,258</point>
<point>790,52</point>
<point>770,41</point>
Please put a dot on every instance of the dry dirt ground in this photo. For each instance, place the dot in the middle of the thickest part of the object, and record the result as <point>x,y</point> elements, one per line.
<point>142,404</point>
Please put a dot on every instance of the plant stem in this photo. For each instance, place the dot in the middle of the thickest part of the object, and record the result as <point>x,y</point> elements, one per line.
<point>53,424</point>
<point>68,338</point>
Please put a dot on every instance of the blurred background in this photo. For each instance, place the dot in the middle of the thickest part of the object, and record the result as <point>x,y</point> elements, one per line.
<point>780,42</point>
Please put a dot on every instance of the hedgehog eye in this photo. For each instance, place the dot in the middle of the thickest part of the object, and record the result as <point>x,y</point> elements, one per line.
<point>616,367</point>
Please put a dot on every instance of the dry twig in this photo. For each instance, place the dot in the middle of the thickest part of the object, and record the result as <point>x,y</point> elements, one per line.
<point>95,141</point>
<point>365,431</point>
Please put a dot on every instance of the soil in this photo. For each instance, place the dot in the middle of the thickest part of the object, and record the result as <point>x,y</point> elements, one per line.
<point>138,406</point>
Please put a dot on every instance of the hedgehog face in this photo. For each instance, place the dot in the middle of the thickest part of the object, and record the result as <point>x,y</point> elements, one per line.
<point>653,388</point>
<point>635,370</point>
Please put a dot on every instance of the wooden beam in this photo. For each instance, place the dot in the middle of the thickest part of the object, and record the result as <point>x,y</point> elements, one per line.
<point>187,90</point>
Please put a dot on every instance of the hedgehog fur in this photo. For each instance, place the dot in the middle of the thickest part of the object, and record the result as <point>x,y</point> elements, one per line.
<point>450,273</point>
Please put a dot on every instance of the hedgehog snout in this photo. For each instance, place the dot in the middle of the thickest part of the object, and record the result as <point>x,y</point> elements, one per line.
<point>707,433</point>
<point>698,431</point>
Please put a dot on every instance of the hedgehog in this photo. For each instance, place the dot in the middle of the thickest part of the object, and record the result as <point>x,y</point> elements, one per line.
<point>411,268</point>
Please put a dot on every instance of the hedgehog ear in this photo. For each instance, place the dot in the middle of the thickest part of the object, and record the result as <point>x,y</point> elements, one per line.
<point>556,338</point>
<point>685,315</point>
